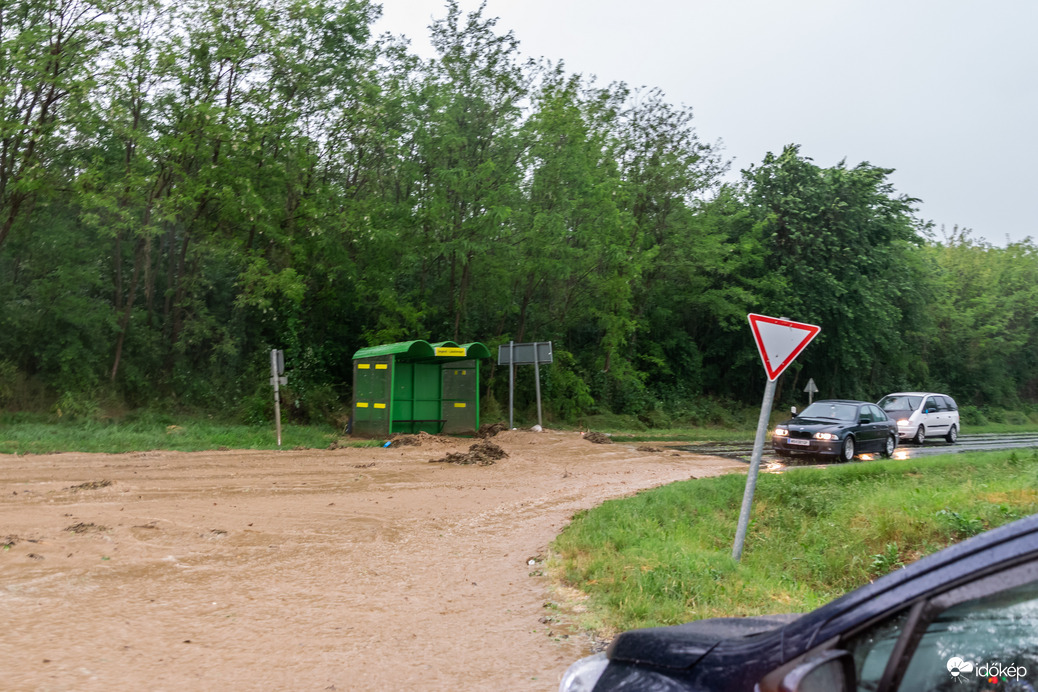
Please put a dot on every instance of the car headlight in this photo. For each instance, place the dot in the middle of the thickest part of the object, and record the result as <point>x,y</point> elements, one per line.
<point>781,432</point>
<point>902,423</point>
<point>583,675</point>
<point>826,436</point>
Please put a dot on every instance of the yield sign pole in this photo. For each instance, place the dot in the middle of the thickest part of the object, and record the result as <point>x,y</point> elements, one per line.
<point>779,341</point>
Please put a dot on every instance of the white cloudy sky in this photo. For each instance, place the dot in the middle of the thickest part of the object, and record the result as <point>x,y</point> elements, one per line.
<point>943,91</point>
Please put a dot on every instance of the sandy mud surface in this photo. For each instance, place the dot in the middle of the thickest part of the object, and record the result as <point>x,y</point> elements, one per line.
<point>346,569</point>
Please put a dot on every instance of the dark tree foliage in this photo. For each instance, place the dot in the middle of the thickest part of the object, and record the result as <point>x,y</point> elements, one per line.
<point>184,186</point>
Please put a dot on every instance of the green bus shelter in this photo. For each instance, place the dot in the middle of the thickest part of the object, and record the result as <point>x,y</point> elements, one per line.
<point>415,386</point>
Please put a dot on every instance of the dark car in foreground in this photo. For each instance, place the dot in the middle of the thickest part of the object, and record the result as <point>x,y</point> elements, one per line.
<point>965,618</point>
<point>841,428</point>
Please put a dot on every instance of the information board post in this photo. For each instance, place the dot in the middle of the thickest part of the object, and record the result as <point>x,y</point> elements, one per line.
<point>511,382</point>
<point>513,354</point>
<point>277,371</point>
<point>537,385</point>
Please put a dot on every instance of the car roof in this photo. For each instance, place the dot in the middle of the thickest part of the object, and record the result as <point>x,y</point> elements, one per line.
<point>840,401</point>
<point>916,394</point>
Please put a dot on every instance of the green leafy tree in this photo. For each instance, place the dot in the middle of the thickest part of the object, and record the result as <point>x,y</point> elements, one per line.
<point>838,236</point>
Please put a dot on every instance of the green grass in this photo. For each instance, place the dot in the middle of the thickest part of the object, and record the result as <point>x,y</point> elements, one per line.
<point>664,556</point>
<point>40,435</point>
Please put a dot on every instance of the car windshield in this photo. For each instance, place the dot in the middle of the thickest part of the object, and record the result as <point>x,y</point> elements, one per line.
<point>828,409</point>
<point>900,402</point>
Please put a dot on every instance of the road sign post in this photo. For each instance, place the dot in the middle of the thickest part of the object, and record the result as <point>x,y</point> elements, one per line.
<point>277,372</point>
<point>811,390</point>
<point>779,341</point>
<point>533,353</point>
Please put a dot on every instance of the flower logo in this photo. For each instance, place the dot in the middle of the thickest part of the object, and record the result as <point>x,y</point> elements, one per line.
<point>956,666</point>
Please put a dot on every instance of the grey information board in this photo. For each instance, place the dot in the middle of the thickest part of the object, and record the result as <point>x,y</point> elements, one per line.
<point>523,354</point>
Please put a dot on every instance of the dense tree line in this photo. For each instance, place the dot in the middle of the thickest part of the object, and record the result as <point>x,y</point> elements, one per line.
<point>184,186</point>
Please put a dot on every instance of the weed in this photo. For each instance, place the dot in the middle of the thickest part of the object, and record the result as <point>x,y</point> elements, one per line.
<point>887,561</point>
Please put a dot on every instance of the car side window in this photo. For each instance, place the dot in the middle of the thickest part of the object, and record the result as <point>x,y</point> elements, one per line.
<point>949,404</point>
<point>931,405</point>
<point>976,635</point>
<point>865,414</point>
<point>872,650</point>
<point>979,643</point>
<point>877,414</point>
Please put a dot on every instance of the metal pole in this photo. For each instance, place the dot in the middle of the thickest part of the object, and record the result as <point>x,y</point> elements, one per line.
<point>511,381</point>
<point>274,378</point>
<point>751,477</point>
<point>537,381</point>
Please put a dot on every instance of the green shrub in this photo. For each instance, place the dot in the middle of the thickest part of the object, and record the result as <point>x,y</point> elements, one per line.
<point>972,416</point>
<point>1016,418</point>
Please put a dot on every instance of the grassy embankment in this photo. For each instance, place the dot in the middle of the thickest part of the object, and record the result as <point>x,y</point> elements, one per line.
<point>25,434</point>
<point>664,556</point>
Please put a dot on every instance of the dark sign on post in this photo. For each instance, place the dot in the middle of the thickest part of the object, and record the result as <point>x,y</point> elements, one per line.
<point>524,354</point>
<point>533,353</point>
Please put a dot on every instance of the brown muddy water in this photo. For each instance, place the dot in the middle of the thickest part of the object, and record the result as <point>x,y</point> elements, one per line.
<point>346,569</point>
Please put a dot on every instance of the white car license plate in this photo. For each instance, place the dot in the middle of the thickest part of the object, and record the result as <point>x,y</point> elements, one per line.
<point>798,441</point>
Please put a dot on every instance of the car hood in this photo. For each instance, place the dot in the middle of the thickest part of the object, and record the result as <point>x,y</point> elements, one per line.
<point>812,423</point>
<point>681,646</point>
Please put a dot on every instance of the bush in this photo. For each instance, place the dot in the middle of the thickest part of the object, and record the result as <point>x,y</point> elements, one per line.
<point>972,415</point>
<point>656,418</point>
<point>1016,418</point>
<point>77,406</point>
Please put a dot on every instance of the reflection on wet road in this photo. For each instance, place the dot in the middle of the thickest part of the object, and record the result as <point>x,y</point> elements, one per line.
<point>905,450</point>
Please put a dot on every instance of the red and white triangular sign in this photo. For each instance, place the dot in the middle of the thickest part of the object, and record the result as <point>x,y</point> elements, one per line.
<point>780,341</point>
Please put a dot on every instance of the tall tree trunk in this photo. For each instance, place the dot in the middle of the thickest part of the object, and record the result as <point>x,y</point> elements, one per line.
<point>124,323</point>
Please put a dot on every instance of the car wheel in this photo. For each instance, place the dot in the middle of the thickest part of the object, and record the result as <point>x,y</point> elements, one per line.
<point>889,446</point>
<point>847,449</point>
<point>920,436</point>
<point>953,434</point>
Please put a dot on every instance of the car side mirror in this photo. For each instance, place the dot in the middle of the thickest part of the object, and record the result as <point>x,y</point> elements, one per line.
<point>831,671</point>
<point>793,411</point>
<point>864,421</point>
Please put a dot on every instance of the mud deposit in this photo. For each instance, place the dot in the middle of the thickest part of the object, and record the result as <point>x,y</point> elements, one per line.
<point>345,569</point>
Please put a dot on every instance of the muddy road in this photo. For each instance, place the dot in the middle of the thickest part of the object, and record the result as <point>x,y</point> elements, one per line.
<point>347,569</point>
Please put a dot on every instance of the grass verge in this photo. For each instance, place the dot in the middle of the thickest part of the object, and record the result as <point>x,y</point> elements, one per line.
<point>663,556</point>
<point>33,436</point>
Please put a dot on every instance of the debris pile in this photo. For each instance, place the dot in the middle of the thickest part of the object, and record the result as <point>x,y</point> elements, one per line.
<point>482,453</point>
<point>598,438</point>
<point>417,440</point>
<point>490,429</point>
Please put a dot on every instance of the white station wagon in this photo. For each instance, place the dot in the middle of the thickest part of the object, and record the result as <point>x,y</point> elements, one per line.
<point>923,414</point>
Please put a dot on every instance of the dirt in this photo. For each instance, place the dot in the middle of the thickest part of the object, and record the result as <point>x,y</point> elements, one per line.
<point>341,569</point>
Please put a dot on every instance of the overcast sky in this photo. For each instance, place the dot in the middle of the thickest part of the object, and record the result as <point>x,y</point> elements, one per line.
<point>943,91</point>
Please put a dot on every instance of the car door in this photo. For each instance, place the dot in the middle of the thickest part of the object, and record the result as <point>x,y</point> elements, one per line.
<point>934,417</point>
<point>958,640</point>
<point>870,434</point>
<point>977,635</point>
<point>951,411</point>
<point>881,425</point>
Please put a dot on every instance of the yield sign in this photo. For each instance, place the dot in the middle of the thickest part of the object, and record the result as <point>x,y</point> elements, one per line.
<point>780,341</point>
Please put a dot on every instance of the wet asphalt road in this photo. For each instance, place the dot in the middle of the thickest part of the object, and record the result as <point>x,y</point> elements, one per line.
<point>905,450</point>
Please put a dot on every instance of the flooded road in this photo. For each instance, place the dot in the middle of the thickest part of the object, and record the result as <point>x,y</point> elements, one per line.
<point>347,569</point>
<point>905,450</point>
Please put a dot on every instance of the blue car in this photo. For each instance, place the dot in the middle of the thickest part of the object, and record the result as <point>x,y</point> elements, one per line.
<point>962,619</point>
